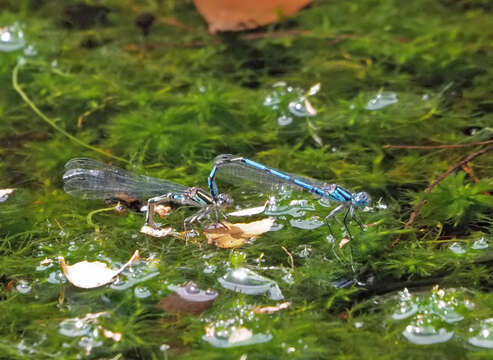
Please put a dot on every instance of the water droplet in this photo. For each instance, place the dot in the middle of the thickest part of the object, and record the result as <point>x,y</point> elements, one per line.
<point>30,50</point>
<point>457,248</point>
<point>304,251</point>
<point>422,331</point>
<point>191,288</point>
<point>140,271</point>
<point>88,343</point>
<point>381,100</point>
<point>284,120</point>
<point>301,107</point>
<point>276,226</point>
<point>306,224</point>
<point>141,292</point>
<point>23,287</point>
<point>407,306</point>
<point>209,269</point>
<point>245,281</point>
<point>11,38</point>
<point>56,277</point>
<point>288,278</point>
<point>44,264</point>
<point>480,244</point>
<point>221,339</point>
<point>483,335</point>
<point>75,327</point>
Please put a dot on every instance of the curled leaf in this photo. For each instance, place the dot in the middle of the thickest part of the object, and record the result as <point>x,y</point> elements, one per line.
<point>234,235</point>
<point>271,309</point>
<point>344,242</point>
<point>235,15</point>
<point>92,274</point>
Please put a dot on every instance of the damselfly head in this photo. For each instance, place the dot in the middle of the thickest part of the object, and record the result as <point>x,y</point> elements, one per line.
<point>224,200</point>
<point>361,199</point>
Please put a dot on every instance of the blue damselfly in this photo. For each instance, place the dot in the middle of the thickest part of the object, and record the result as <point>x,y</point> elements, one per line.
<point>233,168</point>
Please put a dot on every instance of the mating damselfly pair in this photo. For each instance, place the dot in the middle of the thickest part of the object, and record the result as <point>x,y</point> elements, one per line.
<point>91,179</point>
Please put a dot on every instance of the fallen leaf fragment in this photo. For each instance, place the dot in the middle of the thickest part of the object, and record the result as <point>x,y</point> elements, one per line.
<point>234,235</point>
<point>236,15</point>
<point>162,210</point>
<point>271,309</point>
<point>344,242</point>
<point>92,274</point>
<point>4,194</point>
<point>159,233</point>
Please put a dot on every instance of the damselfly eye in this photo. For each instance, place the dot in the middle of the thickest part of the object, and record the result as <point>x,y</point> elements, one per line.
<point>360,199</point>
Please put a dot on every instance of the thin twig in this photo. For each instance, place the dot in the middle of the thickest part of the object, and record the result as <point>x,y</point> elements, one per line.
<point>291,261</point>
<point>417,209</point>
<point>433,147</point>
<point>51,122</point>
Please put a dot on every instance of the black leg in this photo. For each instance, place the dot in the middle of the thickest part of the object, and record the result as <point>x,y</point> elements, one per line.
<point>345,224</point>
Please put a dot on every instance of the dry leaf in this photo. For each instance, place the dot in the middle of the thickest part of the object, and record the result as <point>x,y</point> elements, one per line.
<point>159,233</point>
<point>162,210</point>
<point>92,274</point>
<point>235,15</point>
<point>271,309</point>
<point>344,242</point>
<point>234,235</point>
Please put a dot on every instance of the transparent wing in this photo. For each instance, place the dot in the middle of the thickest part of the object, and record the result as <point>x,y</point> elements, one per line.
<point>91,179</point>
<point>240,172</point>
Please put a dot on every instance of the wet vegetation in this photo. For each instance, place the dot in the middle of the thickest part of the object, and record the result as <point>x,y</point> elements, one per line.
<point>142,85</point>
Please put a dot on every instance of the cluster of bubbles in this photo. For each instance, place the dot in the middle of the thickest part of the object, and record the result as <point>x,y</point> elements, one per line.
<point>139,272</point>
<point>459,249</point>
<point>12,39</point>
<point>290,101</point>
<point>432,317</point>
<point>236,327</point>
<point>295,209</point>
<point>90,333</point>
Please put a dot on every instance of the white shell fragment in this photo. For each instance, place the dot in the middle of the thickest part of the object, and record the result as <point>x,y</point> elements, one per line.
<point>92,274</point>
<point>4,194</point>
<point>250,211</point>
<point>159,233</point>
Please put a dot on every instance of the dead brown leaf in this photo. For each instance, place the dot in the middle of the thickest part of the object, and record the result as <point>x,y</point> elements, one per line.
<point>234,235</point>
<point>236,15</point>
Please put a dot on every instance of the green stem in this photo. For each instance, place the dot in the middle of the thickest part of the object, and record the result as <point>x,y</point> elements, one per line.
<point>92,213</point>
<point>17,88</point>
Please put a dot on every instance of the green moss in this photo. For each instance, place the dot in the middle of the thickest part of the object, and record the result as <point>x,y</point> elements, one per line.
<point>167,104</point>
